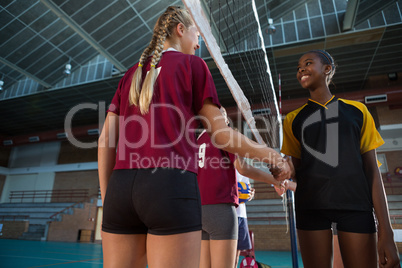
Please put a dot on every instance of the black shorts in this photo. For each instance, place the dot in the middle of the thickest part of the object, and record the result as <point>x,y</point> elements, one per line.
<point>158,201</point>
<point>346,220</point>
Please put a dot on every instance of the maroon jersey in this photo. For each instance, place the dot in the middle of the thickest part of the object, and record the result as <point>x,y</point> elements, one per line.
<point>164,137</point>
<point>216,173</point>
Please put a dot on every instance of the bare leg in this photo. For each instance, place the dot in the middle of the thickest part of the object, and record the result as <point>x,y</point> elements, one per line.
<point>337,254</point>
<point>237,258</point>
<point>223,253</point>
<point>124,251</point>
<point>358,250</point>
<point>316,248</point>
<point>205,261</point>
<point>172,251</point>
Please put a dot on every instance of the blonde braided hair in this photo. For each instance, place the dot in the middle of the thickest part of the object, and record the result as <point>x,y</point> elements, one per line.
<point>135,87</point>
<point>163,29</point>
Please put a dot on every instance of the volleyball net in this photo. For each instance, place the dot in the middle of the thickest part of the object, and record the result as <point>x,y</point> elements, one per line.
<point>232,33</point>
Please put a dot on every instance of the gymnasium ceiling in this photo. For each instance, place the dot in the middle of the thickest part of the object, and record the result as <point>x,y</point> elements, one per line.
<point>38,38</point>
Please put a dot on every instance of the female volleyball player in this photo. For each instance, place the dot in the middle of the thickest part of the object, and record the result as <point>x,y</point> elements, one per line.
<point>147,151</point>
<point>219,198</point>
<point>332,143</point>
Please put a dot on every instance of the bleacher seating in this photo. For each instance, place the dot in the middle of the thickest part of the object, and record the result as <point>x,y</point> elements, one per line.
<point>37,214</point>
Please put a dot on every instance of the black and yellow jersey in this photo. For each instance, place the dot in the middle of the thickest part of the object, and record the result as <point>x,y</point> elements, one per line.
<point>329,140</point>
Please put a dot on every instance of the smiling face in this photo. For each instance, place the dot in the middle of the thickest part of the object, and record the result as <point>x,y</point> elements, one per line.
<point>189,42</point>
<point>312,72</point>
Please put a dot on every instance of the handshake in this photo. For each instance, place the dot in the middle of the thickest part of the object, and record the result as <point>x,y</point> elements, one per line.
<point>282,173</point>
<point>283,170</point>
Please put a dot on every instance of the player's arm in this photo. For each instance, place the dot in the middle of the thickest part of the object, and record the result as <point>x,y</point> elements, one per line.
<point>259,175</point>
<point>227,139</point>
<point>254,173</point>
<point>387,250</point>
<point>107,150</point>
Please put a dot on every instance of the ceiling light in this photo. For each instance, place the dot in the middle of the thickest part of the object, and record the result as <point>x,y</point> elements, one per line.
<point>67,70</point>
<point>271,28</point>
<point>1,82</point>
<point>391,76</point>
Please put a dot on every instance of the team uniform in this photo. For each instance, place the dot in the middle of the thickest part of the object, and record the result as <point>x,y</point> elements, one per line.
<point>243,241</point>
<point>330,140</point>
<point>153,188</point>
<point>218,189</point>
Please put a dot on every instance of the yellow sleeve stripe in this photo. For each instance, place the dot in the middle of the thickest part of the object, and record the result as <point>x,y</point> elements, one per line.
<point>291,146</point>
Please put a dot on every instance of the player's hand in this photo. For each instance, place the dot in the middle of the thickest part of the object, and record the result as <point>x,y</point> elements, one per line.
<point>275,171</point>
<point>280,189</point>
<point>282,171</point>
<point>387,252</point>
<point>252,193</point>
<point>285,185</point>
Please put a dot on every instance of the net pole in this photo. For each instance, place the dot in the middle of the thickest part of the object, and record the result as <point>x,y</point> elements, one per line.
<point>289,196</point>
<point>292,228</point>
